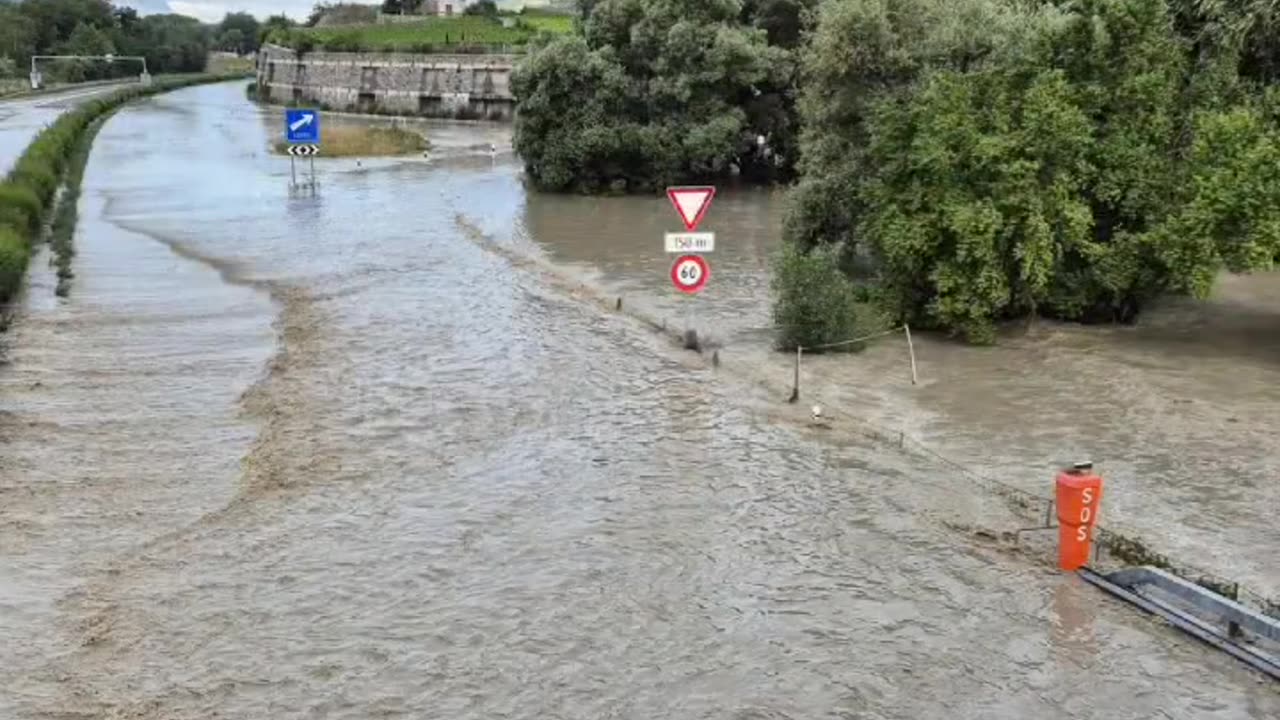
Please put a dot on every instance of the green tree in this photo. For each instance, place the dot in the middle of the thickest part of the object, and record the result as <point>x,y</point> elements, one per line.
<point>173,43</point>
<point>977,160</point>
<point>1230,218</point>
<point>652,93</point>
<point>86,40</point>
<point>273,24</point>
<point>783,20</point>
<point>245,39</point>
<point>231,40</point>
<point>1246,31</point>
<point>17,34</point>
<point>487,8</point>
<point>55,20</point>
<point>816,304</point>
<point>863,50</point>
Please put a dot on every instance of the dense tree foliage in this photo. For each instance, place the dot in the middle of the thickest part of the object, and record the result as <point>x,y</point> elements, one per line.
<point>341,13</point>
<point>482,7</point>
<point>171,43</point>
<point>238,33</point>
<point>652,92</point>
<point>273,24</point>
<point>976,160</point>
<point>816,304</point>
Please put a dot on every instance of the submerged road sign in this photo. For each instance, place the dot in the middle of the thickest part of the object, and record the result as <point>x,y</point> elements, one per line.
<point>690,242</point>
<point>302,126</point>
<point>692,203</point>
<point>690,273</point>
<point>304,150</point>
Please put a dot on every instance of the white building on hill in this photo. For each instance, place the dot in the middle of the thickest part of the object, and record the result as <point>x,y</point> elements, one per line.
<point>444,7</point>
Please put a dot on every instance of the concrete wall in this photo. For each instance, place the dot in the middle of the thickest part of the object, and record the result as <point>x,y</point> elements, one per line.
<point>460,86</point>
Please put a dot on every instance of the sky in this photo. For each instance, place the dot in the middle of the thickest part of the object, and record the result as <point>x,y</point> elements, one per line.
<point>213,10</point>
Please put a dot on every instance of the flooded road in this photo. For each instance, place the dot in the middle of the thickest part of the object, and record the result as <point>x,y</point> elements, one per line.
<point>1179,413</point>
<point>368,455</point>
<point>22,118</point>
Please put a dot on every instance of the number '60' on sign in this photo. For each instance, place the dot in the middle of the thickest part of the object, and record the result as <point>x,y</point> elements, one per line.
<point>690,273</point>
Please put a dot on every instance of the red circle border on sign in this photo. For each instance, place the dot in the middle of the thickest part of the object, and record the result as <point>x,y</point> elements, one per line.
<point>702,281</point>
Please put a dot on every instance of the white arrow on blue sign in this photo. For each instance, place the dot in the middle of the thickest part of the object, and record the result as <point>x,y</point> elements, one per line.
<point>302,126</point>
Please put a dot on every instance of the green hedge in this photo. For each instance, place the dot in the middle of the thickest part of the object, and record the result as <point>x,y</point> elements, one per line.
<point>28,193</point>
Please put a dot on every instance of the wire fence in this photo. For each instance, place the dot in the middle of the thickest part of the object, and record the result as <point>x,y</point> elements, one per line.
<point>1110,545</point>
<point>1118,546</point>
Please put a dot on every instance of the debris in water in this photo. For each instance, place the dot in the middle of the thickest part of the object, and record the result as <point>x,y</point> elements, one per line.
<point>818,419</point>
<point>691,340</point>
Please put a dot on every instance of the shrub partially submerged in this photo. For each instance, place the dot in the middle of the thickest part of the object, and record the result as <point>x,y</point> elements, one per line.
<point>816,303</point>
<point>1001,159</point>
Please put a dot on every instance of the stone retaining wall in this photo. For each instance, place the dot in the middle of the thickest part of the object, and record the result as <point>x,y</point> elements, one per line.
<point>458,86</point>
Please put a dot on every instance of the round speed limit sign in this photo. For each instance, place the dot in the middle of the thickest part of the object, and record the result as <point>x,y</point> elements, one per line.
<point>690,273</point>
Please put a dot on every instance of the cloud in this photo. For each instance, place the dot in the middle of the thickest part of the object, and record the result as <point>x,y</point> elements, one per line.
<point>214,10</point>
<point>146,7</point>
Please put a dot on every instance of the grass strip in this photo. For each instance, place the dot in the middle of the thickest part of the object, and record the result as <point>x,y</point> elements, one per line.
<point>29,196</point>
<point>366,141</point>
<point>62,232</point>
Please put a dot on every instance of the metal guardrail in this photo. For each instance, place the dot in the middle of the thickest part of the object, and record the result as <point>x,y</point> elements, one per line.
<point>1126,584</point>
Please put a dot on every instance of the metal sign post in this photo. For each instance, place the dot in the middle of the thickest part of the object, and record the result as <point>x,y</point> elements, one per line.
<point>690,272</point>
<point>36,79</point>
<point>302,132</point>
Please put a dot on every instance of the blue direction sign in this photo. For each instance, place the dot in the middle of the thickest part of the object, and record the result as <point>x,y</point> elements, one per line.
<point>302,126</point>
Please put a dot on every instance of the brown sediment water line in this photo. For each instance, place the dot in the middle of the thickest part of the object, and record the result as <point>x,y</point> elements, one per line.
<point>1121,547</point>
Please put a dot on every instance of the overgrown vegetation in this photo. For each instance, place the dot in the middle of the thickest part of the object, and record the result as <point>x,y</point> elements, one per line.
<point>170,43</point>
<point>341,13</point>
<point>816,304</point>
<point>980,160</point>
<point>28,193</point>
<point>644,94</point>
<point>366,141</point>
<point>467,33</point>
<point>62,231</point>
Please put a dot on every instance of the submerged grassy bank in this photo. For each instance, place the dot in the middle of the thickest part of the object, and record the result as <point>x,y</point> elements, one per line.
<point>63,230</point>
<point>29,195</point>
<point>362,141</point>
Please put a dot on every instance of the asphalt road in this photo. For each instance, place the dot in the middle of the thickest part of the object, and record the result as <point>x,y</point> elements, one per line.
<point>22,118</point>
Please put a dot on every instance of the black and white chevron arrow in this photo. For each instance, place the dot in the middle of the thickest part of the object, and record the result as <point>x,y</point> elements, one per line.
<point>304,150</point>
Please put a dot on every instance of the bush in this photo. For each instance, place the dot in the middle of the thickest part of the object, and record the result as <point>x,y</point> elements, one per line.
<point>39,176</point>
<point>20,208</point>
<point>996,160</point>
<point>815,303</point>
<point>14,253</point>
<point>654,94</point>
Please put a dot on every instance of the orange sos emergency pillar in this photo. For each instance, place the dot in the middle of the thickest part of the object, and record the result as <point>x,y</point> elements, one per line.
<point>1079,497</point>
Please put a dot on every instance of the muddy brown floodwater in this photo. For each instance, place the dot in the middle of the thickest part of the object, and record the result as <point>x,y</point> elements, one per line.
<point>381,453</point>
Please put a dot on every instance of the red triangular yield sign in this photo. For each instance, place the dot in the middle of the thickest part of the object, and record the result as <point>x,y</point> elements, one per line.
<point>692,203</point>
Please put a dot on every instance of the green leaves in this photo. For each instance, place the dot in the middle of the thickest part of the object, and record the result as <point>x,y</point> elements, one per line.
<point>815,303</point>
<point>1230,218</point>
<point>992,162</point>
<point>655,93</point>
